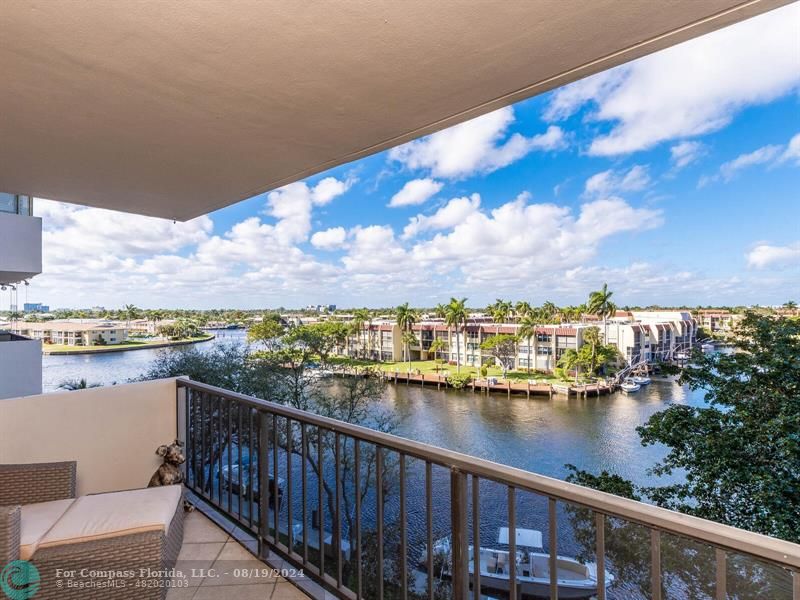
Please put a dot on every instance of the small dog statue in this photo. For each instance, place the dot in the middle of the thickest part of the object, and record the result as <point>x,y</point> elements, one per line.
<point>169,473</point>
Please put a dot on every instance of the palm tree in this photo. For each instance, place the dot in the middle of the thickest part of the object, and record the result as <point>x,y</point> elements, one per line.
<point>131,313</point>
<point>527,330</point>
<point>500,312</point>
<point>361,317</point>
<point>790,305</point>
<point>600,304</point>
<point>569,361</point>
<point>435,348</point>
<point>440,311</point>
<point>456,316</point>
<point>521,309</point>
<point>549,310</point>
<point>406,317</point>
<point>408,339</point>
<point>591,336</point>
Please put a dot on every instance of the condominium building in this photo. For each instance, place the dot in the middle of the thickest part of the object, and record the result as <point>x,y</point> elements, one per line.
<point>717,322</point>
<point>75,332</point>
<point>20,260</point>
<point>649,336</point>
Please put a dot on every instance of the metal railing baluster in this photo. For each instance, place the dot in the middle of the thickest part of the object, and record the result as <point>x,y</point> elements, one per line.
<point>289,494</point>
<point>219,452</point>
<point>250,455</point>
<point>429,525</point>
<point>379,513</point>
<point>458,532</point>
<point>274,493</point>
<point>229,478</point>
<point>600,554</point>
<point>655,566</point>
<point>304,484</point>
<point>239,469</point>
<point>357,486</point>
<point>203,444</point>
<point>263,479</point>
<point>512,542</point>
<point>320,511</point>
<point>403,532</point>
<point>553,531</point>
<point>721,573</point>
<point>337,520</point>
<point>476,539</point>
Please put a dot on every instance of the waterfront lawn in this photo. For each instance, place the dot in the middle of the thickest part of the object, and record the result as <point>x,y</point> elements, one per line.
<point>429,366</point>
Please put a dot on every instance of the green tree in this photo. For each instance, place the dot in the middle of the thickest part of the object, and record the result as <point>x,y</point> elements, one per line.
<point>600,304</point>
<point>500,312</point>
<point>406,317</point>
<point>502,347</point>
<point>435,348</point>
<point>456,317</point>
<point>267,331</point>
<point>527,330</point>
<point>131,313</point>
<point>739,453</point>
<point>591,339</point>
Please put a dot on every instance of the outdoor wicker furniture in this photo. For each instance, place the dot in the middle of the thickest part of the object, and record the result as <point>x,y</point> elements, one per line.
<point>111,545</point>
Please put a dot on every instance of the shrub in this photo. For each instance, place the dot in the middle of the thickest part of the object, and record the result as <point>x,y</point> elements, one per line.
<point>459,380</point>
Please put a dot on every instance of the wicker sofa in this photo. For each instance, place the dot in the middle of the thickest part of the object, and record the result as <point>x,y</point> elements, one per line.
<point>113,545</point>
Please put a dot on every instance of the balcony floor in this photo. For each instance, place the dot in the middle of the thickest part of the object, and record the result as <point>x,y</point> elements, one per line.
<point>208,546</point>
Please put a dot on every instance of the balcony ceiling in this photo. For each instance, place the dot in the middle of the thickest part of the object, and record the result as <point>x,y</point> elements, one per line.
<point>175,109</point>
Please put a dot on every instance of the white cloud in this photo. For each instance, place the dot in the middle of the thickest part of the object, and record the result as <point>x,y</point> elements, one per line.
<point>772,155</point>
<point>763,155</point>
<point>330,239</point>
<point>765,256</point>
<point>690,89</point>
<point>521,239</point>
<point>792,152</point>
<point>416,191</point>
<point>450,215</point>
<point>292,206</point>
<point>615,181</point>
<point>685,153</point>
<point>328,189</point>
<point>477,146</point>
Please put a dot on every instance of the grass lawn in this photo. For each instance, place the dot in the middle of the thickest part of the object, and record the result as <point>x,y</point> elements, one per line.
<point>429,366</point>
<point>129,345</point>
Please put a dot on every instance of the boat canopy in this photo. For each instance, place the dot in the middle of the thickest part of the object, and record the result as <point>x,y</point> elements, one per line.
<point>529,538</point>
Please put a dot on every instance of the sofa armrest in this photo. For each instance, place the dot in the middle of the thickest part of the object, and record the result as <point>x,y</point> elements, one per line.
<point>10,517</point>
<point>37,482</point>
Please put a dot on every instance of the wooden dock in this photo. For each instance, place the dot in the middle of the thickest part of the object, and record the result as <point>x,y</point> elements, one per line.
<point>528,388</point>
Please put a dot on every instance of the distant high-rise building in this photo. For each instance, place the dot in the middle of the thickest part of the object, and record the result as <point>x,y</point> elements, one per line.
<point>35,307</point>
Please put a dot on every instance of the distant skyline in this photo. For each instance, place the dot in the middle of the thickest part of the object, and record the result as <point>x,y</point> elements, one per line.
<point>675,178</point>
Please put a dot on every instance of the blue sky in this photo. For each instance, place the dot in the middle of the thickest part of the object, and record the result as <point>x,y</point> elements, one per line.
<point>675,178</point>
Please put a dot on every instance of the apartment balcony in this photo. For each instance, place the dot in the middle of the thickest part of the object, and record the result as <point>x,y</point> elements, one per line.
<point>20,240</point>
<point>275,486</point>
<point>20,365</point>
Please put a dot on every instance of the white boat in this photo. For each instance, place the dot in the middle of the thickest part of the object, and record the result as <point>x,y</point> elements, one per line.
<point>681,356</point>
<point>629,386</point>
<point>641,380</point>
<point>532,568</point>
<point>707,347</point>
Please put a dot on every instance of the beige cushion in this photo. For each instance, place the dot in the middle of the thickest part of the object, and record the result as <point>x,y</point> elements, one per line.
<point>115,514</point>
<point>36,520</point>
